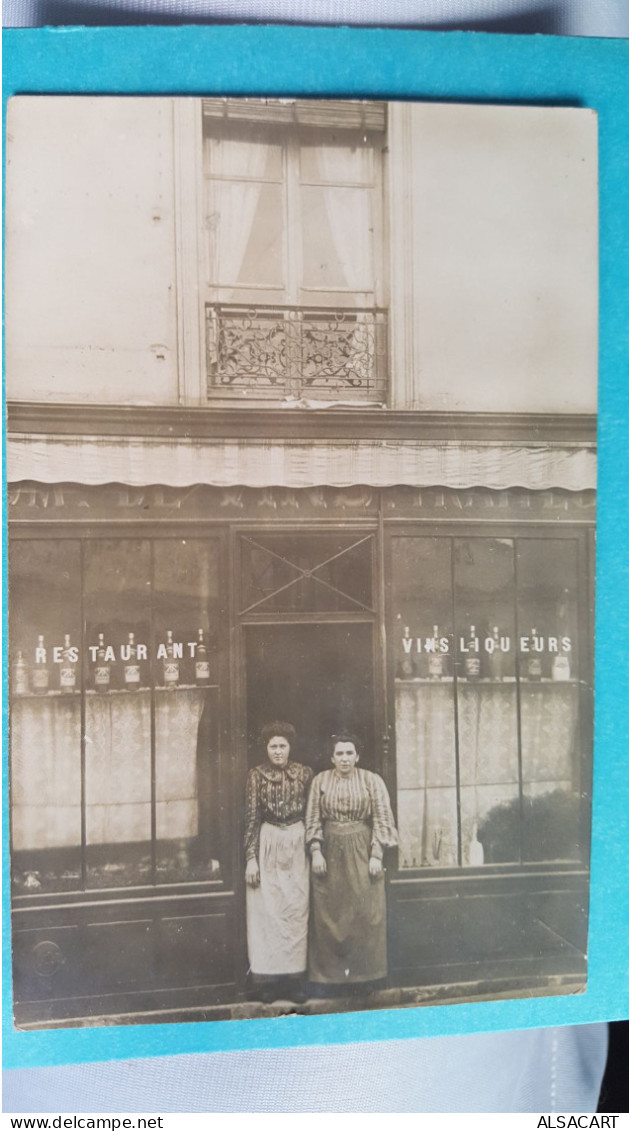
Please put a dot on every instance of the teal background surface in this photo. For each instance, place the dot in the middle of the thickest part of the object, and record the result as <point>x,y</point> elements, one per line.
<point>452,66</point>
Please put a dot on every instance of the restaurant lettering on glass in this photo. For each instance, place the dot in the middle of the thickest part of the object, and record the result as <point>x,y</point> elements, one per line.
<point>342,491</point>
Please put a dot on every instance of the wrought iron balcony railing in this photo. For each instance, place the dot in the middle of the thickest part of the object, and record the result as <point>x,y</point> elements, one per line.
<point>308,353</point>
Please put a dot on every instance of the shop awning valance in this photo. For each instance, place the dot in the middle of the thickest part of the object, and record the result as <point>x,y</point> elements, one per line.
<point>295,463</point>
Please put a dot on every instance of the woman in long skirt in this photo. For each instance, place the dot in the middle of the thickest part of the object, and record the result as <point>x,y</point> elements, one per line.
<point>276,873</point>
<point>349,823</point>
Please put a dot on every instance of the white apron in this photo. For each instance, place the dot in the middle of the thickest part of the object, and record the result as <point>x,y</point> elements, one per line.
<point>277,910</point>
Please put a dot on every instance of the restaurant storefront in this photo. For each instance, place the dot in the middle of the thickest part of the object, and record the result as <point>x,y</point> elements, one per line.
<point>154,629</point>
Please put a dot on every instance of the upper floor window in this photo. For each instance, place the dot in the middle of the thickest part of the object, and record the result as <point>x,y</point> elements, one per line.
<point>294,290</point>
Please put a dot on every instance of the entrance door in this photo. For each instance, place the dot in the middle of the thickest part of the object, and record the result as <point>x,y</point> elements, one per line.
<point>319,677</point>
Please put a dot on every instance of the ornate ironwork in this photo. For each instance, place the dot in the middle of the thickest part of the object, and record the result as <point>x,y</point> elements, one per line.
<point>302,353</point>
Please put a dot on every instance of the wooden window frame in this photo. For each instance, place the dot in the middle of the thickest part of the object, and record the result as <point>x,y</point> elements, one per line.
<point>194,293</point>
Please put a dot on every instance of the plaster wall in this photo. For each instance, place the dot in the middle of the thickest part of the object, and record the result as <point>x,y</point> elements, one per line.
<point>91,305</point>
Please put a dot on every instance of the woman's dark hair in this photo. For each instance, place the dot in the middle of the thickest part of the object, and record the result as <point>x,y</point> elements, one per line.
<point>345,736</point>
<point>278,730</point>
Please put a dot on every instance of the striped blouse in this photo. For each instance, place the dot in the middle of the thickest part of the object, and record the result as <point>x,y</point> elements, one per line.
<point>360,796</point>
<point>276,795</point>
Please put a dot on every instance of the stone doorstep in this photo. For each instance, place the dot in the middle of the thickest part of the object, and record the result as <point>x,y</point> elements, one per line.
<point>393,998</point>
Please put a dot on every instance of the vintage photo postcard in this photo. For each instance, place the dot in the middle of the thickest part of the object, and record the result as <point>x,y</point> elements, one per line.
<point>301,495</point>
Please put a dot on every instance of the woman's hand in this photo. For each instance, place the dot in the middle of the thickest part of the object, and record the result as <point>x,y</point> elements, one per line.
<point>252,873</point>
<point>375,867</point>
<point>319,866</point>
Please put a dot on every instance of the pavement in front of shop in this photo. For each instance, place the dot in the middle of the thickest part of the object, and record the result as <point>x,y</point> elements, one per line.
<point>391,998</point>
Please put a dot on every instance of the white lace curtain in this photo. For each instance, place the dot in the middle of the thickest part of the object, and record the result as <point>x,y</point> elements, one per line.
<point>348,211</point>
<point>235,203</point>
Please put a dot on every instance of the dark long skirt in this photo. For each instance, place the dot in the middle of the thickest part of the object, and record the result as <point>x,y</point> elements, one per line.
<point>347,940</point>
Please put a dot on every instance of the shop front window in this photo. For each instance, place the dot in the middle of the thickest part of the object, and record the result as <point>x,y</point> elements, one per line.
<point>114,721</point>
<point>45,724</point>
<point>486,700</point>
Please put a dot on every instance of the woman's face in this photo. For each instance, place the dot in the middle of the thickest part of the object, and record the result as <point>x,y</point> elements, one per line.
<point>278,750</point>
<point>345,757</point>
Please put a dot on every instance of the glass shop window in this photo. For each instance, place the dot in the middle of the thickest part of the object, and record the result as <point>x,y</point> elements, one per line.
<point>122,636</point>
<point>293,248</point>
<point>45,721</point>
<point>486,683</point>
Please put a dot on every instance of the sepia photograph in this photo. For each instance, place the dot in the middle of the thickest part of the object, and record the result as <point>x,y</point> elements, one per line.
<point>301,489</point>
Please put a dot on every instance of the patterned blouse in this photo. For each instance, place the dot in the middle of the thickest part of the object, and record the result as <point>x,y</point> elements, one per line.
<point>275,795</point>
<point>361,796</point>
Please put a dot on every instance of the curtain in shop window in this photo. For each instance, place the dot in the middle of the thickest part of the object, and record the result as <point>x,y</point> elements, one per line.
<point>118,768</point>
<point>488,768</point>
<point>177,716</point>
<point>488,758</point>
<point>426,774</point>
<point>46,773</point>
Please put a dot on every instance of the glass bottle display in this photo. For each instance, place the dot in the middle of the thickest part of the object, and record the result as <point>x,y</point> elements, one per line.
<point>436,659</point>
<point>534,662</point>
<point>67,672</point>
<point>20,675</point>
<point>132,666</point>
<point>171,663</point>
<point>406,667</point>
<point>560,670</point>
<point>471,663</point>
<point>496,655</point>
<point>41,671</point>
<point>202,663</point>
<point>102,669</point>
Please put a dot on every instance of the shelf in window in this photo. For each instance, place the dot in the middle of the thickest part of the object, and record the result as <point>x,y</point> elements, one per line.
<point>426,679</point>
<point>117,691</point>
<point>545,680</point>
<point>485,681</point>
<point>92,693</point>
<point>186,687</point>
<point>53,693</point>
<point>158,687</point>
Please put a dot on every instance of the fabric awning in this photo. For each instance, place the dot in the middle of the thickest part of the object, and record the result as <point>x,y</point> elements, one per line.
<point>295,463</point>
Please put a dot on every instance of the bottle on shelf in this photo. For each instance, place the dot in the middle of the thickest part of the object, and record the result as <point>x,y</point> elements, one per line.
<point>201,662</point>
<point>436,658</point>
<point>67,671</point>
<point>496,656</point>
<point>534,663</point>
<point>183,855</point>
<point>406,667</point>
<point>560,671</point>
<point>132,666</point>
<point>40,676</point>
<point>102,669</point>
<point>476,852</point>
<point>171,663</point>
<point>471,663</point>
<point>20,675</point>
